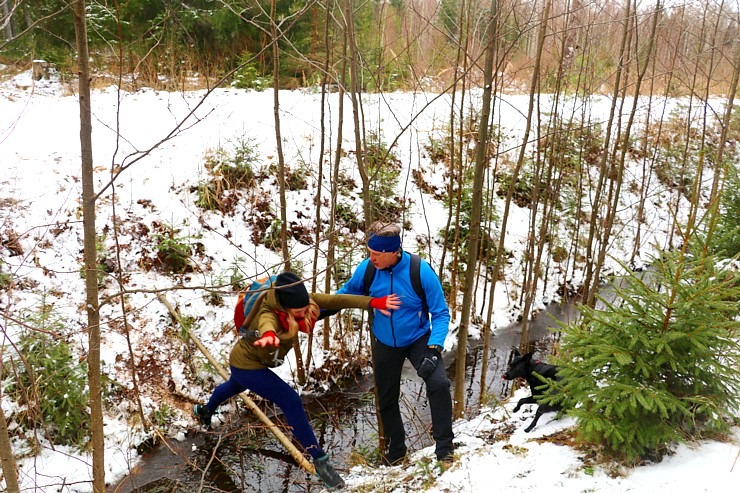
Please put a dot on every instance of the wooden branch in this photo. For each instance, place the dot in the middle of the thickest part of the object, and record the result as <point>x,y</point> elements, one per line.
<point>294,452</point>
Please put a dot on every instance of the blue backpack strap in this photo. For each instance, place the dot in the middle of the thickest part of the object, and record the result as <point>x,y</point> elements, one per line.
<point>254,292</point>
<point>243,331</point>
<point>252,301</point>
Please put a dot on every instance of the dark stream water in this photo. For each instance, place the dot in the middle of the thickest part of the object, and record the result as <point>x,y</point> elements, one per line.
<point>240,456</point>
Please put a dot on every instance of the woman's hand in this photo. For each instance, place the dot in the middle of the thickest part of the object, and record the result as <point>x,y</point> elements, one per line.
<point>268,339</point>
<point>386,303</point>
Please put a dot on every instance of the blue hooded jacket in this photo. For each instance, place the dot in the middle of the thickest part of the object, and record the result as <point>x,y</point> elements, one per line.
<point>407,324</point>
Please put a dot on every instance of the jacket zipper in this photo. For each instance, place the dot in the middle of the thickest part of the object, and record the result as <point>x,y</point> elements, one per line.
<point>393,328</point>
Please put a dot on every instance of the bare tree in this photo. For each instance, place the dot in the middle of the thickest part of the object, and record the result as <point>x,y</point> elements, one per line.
<point>9,466</point>
<point>596,235</point>
<point>331,250</point>
<point>534,84</point>
<point>278,136</point>
<point>354,91</point>
<point>481,154</point>
<point>90,251</point>
<point>6,19</point>
<point>456,156</point>
<point>719,179</point>
<point>320,179</point>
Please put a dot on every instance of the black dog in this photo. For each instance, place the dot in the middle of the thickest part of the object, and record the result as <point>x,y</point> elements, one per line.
<point>522,366</point>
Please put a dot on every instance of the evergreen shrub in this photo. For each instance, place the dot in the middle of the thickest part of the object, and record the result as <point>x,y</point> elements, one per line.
<point>726,239</point>
<point>229,170</point>
<point>460,232</point>
<point>249,76</point>
<point>659,363</point>
<point>48,382</point>
<point>173,252</point>
<point>6,278</point>
<point>384,170</point>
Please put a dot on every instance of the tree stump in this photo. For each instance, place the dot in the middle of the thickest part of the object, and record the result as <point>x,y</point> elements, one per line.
<point>40,69</point>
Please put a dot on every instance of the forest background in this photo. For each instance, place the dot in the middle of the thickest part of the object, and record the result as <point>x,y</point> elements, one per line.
<point>626,51</point>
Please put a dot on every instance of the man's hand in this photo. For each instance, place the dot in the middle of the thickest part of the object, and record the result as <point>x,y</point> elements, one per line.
<point>432,357</point>
<point>268,339</point>
<point>386,303</point>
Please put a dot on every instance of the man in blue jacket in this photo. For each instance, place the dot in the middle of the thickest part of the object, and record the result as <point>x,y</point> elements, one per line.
<point>406,333</point>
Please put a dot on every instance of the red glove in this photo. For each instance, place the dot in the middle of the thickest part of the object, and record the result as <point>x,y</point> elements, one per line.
<point>268,339</point>
<point>379,303</point>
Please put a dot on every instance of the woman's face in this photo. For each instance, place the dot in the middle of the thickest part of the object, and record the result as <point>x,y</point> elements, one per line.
<point>298,313</point>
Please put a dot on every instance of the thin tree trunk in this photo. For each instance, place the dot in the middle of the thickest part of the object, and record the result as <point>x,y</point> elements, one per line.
<point>612,211</point>
<point>490,255</point>
<point>718,175</point>
<point>529,275</point>
<point>278,136</point>
<point>360,156</point>
<point>687,230</point>
<point>10,468</point>
<point>481,153</point>
<point>570,39</point>
<point>354,89</point>
<point>7,18</point>
<point>558,132</point>
<point>451,163</point>
<point>719,158</point>
<point>457,164</point>
<point>680,190</point>
<point>331,254</point>
<point>322,143</point>
<point>537,238</point>
<point>534,84</point>
<point>27,15</point>
<point>647,164</point>
<point>591,281</point>
<point>90,252</point>
<point>300,370</point>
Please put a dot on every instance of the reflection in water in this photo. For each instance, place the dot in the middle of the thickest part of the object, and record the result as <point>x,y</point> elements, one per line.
<point>242,456</point>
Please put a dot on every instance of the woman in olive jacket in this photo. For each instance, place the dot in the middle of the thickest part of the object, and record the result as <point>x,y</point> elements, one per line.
<point>282,313</point>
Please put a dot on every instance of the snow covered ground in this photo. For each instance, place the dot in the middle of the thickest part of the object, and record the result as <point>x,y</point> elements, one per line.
<point>158,140</point>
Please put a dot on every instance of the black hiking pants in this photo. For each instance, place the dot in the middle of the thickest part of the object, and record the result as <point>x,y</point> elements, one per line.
<point>387,366</point>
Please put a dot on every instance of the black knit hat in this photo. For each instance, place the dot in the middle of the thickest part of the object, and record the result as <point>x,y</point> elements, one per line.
<point>293,296</point>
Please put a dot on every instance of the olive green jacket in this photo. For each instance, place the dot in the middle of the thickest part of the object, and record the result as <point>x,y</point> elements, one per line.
<point>246,356</point>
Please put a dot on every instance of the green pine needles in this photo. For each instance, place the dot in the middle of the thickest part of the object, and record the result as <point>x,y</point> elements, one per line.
<point>47,382</point>
<point>658,362</point>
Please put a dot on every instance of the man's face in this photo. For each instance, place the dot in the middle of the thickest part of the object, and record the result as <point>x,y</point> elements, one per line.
<point>383,260</point>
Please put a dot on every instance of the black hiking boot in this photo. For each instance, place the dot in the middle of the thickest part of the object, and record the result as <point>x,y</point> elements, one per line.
<point>203,414</point>
<point>446,457</point>
<point>326,472</point>
<point>393,458</point>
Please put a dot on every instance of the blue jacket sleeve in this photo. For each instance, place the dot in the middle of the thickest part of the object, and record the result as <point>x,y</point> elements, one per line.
<point>438,310</point>
<point>356,283</point>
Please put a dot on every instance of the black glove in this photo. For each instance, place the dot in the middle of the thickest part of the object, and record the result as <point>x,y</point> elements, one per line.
<point>429,363</point>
